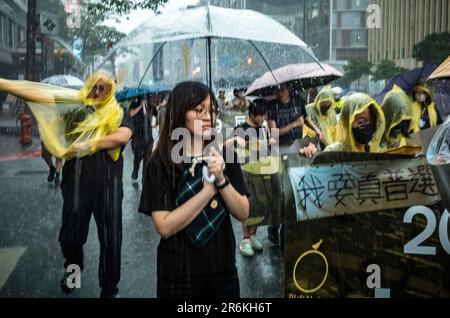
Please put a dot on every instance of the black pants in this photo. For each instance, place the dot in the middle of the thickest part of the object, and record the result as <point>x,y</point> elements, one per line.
<point>140,151</point>
<point>220,285</point>
<point>104,200</point>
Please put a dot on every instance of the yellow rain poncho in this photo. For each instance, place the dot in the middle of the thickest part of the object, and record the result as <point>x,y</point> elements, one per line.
<point>66,117</point>
<point>326,123</point>
<point>353,106</point>
<point>397,108</point>
<point>337,105</point>
<point>417,108</point>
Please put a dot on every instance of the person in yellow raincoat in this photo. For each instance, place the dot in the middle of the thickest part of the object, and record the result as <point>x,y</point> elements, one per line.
<point>89,130</point>
<point>338,101</point>
<point>361,126</point>
<point>424,109</point>
<point>398,114</point>
<point>323,116</point>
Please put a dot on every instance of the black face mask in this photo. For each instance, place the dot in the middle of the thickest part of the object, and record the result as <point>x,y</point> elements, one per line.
<point>324,109</point>
<point>402,128</point>
<point>363,134</point>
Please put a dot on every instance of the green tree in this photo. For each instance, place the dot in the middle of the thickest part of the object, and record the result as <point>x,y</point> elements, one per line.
<point>385,70</point>
<point>434,49</point>
<point>355,69</point>
<point>121,7</point>
<point>97,39</point>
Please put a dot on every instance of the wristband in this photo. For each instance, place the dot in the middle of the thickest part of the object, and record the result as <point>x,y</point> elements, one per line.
<point>224,184</point>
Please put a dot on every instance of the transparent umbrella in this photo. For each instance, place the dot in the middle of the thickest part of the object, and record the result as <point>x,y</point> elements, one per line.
<point>206,43</point>
<point>68,81</point>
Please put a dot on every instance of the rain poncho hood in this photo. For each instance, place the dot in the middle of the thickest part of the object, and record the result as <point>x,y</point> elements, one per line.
<point>417,108</point>
<point>327,123</point>
<point>397,108</point>
<point>66,116</point>
<point>353,106</point>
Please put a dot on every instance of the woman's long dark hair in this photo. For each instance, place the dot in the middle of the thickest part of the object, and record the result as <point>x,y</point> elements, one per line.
<point>185,96</point>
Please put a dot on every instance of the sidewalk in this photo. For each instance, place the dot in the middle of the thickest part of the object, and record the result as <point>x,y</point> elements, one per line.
<point>11,148</point>
<point>9,124</point>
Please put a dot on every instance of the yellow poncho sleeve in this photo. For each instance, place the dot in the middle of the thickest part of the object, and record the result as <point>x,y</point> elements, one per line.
<point>63,115</point>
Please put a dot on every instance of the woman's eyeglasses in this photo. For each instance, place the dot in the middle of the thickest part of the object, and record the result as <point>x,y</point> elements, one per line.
<point>202,112</point>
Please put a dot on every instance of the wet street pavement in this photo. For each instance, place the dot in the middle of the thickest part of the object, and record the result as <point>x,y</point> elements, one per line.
<point>31,263</point>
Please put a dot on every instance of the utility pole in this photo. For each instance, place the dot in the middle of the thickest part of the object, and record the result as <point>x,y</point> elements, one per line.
<point>30,59</point>
<point>331,30</point>
<point>304,20</point>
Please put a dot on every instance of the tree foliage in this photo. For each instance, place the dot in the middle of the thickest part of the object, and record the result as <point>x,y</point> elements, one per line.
<point>434,49</point>
<point>122,7</point>
<point>385,70</point>
<point>355,69</point>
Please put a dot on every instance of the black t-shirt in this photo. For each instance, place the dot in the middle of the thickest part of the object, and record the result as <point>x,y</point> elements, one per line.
<point>98,168</point>
<point>178,259</point>
<point>284,114</point>
<point>142,124</point>
<point>258,133</point>
<point>247,137</point>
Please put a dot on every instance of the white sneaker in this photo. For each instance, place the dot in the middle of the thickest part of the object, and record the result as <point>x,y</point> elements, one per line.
<point>246,248</point>
<point>256,244</point>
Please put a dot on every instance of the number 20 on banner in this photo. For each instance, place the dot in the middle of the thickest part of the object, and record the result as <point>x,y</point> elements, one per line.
<point>413,246</point>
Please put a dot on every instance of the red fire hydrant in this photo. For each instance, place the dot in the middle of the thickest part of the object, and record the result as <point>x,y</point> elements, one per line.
<point>25,125</point>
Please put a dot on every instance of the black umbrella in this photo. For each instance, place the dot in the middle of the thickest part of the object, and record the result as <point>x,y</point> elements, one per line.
<point>407,80</point>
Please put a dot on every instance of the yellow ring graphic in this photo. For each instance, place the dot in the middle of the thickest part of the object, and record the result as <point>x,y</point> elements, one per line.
<point>313,251</point>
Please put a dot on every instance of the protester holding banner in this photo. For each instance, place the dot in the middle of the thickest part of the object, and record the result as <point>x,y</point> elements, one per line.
<point>322,114</point>
<point>287,115</point>
<point>361,126</point>
<point>424,109</point>
<point>196,254</point>
<point>398,114</point>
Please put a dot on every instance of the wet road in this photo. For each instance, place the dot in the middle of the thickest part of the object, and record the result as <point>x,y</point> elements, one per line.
<point>31,264</point>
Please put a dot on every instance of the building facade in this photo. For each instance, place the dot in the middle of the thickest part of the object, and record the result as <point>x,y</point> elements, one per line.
<point>13,19</point>
<point>310,20</point>
<point>405,23</point>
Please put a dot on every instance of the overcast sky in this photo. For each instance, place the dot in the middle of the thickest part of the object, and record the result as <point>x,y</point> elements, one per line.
<point>137,17</point>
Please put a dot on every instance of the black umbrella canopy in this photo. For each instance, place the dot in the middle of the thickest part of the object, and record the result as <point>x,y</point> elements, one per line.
<point>407,80</point>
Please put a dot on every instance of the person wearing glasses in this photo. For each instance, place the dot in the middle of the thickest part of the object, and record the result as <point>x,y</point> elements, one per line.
<point>190,204</point>
<point>89,130</point>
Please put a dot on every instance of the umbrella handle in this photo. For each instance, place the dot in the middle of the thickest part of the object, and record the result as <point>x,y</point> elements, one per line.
<point>206,177</point>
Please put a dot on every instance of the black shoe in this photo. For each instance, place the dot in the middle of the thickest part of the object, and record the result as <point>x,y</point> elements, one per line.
<point>51,174</point>
<point>273,234</point>
<point>66,289</point>
<point>109,293</point>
